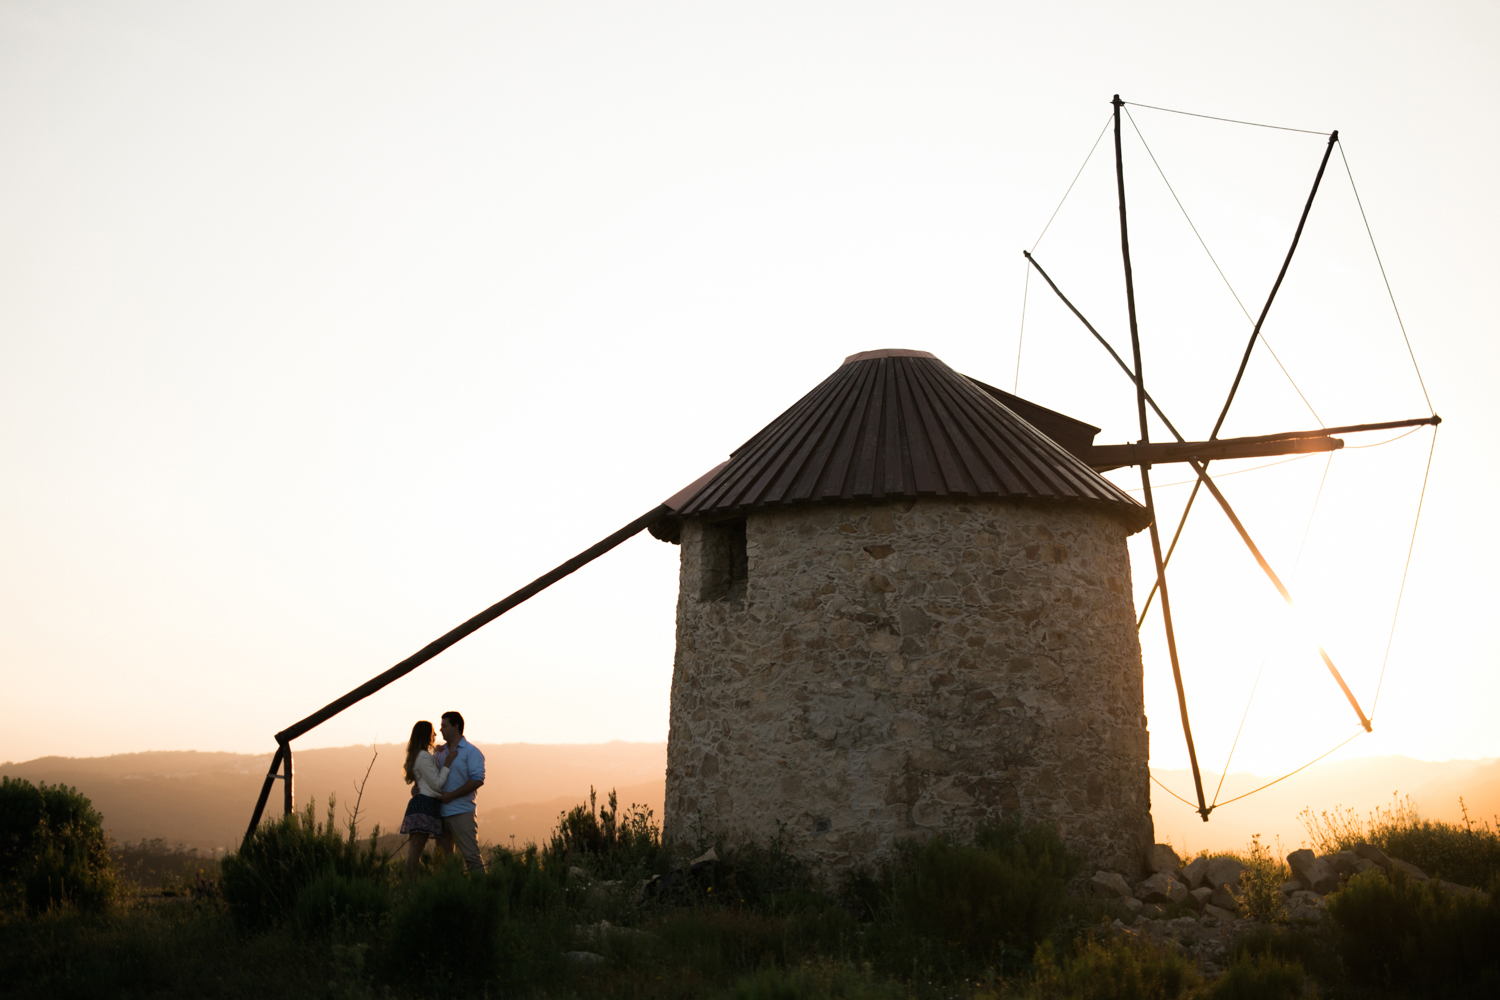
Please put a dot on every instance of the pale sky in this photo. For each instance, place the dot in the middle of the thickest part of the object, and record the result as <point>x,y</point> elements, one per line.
<point>324,326</point>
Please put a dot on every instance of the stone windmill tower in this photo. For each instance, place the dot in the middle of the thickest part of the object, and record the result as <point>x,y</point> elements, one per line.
<point>904,609</point>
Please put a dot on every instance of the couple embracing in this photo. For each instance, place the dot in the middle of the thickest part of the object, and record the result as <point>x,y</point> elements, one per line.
<point>444,781</point>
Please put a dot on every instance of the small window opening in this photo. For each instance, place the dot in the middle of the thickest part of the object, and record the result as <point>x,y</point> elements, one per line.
<point>725,561</point>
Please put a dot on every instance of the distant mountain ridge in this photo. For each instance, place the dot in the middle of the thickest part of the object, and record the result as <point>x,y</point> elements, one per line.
<point>203,799</point>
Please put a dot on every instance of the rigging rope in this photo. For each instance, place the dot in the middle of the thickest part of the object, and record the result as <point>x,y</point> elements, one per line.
<point>1069,191</point>
<point>1215,263</point>
<point>1021,337</point>
<point>1357,733</point>
<point>1265,655</point>
<point>1236,472</point>
<point>1387,280</point>
<point>1236,121</point>
<point>1407,569</point>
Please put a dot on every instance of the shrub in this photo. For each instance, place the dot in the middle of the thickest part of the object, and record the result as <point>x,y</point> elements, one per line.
<point>332,903</point>
<point>1263,977</point>
<point>1403,933</point>
<point>1466,853</point>
<point>814,981</point>
<point>1259,891</point>
<point>1118,969</point>
<point>262,882</point>
<point>993,901</point>
<point>609,845</point>
<point>53,849</point>
<point>506,922</point>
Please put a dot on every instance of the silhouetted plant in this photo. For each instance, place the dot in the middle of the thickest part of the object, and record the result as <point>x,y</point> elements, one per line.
<point>604,842</point>
<point>53,848</point>
<point>1403,933</point>
<point>1467,853</point>
<point>262,881</point>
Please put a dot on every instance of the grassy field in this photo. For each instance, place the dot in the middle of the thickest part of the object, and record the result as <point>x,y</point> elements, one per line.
<point>311,909</point>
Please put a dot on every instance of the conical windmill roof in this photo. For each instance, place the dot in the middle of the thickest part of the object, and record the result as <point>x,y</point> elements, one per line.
<point>895,423</point>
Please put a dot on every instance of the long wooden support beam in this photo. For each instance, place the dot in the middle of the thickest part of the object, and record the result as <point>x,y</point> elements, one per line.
<point>1103,457</point>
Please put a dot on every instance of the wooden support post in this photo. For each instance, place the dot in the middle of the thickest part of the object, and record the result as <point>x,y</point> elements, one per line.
<point>265,789</point>
<point>1140,402</point>
<point>289,805</point>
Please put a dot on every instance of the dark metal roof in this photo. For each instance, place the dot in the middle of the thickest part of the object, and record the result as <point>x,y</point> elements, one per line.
<point>899,423</point>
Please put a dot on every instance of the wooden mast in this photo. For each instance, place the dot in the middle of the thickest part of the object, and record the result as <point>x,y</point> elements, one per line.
<point>1140,402</point>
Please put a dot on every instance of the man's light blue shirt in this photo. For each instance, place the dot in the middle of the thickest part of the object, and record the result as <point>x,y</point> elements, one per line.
<point>467,766</point>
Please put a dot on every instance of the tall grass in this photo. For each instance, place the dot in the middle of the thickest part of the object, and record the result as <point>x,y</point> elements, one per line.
<point>281,858</point>
<point>1467,853</point>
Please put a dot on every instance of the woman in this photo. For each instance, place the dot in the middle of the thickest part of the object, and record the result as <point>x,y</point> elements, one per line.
<point>423,818</point>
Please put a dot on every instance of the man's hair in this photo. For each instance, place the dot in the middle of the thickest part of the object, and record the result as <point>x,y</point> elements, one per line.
<point>455,719</point>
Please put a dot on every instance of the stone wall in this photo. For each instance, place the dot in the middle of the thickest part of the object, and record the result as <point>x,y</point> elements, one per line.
<point>885,671</point>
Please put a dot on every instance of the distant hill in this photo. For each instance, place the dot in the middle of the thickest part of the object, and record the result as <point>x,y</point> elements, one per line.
<point>204,800</point>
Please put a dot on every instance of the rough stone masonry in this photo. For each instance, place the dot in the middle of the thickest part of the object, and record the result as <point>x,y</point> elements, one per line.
<point>861,673</point>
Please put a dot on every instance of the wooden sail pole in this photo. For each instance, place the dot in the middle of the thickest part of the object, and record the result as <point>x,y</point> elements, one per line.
<point>1140,401</point>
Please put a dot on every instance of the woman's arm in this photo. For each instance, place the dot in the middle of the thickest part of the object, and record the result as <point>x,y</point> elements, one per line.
<point>428,771</point>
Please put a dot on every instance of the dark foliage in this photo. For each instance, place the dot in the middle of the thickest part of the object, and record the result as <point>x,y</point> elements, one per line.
<point>607,844</point>
<point>1402,933</point>
<point>53,849</point>
<point>262,882</point>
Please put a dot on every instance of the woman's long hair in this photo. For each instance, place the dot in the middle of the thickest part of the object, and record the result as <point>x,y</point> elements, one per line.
<point>421,739</point>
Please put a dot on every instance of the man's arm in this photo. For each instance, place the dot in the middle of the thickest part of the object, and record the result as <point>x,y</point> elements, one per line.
<point>462,790</point>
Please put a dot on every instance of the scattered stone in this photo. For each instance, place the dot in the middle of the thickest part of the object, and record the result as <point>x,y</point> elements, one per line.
<point>1217,913</point>
<point>1192,874</point>
<point>1372,853</point>
<point>1412,871</point>
<point>1224,899</point>
<point>1160,888</point>
<point>708,857</point>
<point>1306,913</point>
<point>1287,888</point>
<point>1305,898</point>
<point>575,872</point>
<point>1313,872</point>
<point>1199,898</point>
<point>1223,871</point>
<point>1130,905</point>
<point>1163,859</point>
<point>1363,865</point>
<point>1152,911</point>
<point>1343,862</point>
<point>585,958</point>
<point>1109,885</point>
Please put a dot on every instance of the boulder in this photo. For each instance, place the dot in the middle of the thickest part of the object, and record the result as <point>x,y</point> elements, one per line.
<point>1223,898</point>
<point>1412,871</point>
<point>1287,888</point>
<point>1463,890</point>
<point>1160,888</point>
<point>1372,853</point>
<point>1364,865</point>
<point>1342,862</point>
<point>1162,858</point>
<point>1152,911</point>
<point>708,857</point>
<point>1218,913</point>
<point>1130,905</point>
<point>1109,885</point>
<point>1199,898</point>
<point>1313,872</point>
<point>586,958</point>
<point>1192,874</point>
<point>1223,871</point>
<point>1305,898</point>
<point>1304,913</point>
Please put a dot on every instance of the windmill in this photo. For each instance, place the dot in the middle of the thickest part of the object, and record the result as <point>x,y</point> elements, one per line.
<point>1198,454</point>
<point>1072,435</point>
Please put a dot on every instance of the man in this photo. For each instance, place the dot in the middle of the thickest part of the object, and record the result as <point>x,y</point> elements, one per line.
<point>465,776</point>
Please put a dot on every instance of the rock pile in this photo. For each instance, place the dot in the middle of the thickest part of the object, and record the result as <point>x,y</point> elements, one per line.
<point>1210,887</point>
